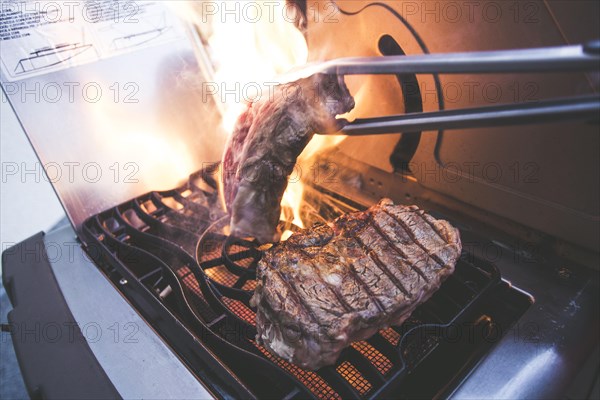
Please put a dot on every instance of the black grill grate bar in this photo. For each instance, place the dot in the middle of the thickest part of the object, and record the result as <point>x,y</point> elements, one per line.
<point>365,367</point>
<point>241,281</point>
<point>150,274</point>
<point>112,246</point>
<point>179,259</point>
<point>201,210</point>
<point>238,257</point>
<point>138,257</point>
<point>195,194</point>
<point>190,223</point>
<point>166,250</point>
<point>251,253</point>
<point>206,178</point>
<point>152,244</point>
<point>183,238</point>
<point>217,262</point>
<point>461,293</point>
<point>236,294</point>
<point>385,348</point>
<point>217,323</point>
<point>338,383</point>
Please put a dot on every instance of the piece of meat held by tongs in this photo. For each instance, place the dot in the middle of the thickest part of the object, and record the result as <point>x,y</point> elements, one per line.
<point>266,141</point>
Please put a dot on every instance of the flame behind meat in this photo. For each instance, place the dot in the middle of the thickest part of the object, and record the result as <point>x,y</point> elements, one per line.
<point>249,44</point>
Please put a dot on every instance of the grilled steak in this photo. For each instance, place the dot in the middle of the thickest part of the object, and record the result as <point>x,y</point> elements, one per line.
<point>328,286</point>
<point>266,141</point>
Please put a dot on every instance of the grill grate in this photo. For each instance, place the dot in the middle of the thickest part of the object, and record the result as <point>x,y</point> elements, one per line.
<point>313,382</point>
<point>390,335</point>
<point>354,377</point>
<point>176,244</point>
<point>381,362</point>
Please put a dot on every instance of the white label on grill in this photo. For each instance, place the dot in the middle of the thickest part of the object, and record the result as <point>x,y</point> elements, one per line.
<point>39,37</point>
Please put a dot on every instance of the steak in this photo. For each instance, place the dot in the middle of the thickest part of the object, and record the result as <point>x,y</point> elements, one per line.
<point>334,284</point>
<point>266,141</point>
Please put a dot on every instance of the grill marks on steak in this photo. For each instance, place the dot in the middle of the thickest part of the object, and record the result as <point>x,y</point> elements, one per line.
<point>265,143</point>
<point>329,286</point>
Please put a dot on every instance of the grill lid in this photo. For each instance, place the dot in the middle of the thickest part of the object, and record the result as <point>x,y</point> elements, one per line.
<point>112,108</point>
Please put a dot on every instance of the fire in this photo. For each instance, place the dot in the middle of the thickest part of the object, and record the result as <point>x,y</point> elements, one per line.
<point>292,198</point>
<point>247,57</point>
<point>250,44</point>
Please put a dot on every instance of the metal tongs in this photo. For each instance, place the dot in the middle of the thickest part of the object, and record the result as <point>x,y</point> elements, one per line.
<point>573,58</point>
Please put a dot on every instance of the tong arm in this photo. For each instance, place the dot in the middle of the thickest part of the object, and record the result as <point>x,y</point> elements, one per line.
<point>583,57</point>
<point>573,108</point>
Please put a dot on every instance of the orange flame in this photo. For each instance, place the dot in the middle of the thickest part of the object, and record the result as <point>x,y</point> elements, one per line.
<point>248,52</point>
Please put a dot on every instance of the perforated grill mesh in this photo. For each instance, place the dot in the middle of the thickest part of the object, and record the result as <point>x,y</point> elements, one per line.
<point>210,250</point>
<point>221,275</point>
<point>354,377</point>
<point>189,280</point>
<point>390,335</point>
<point>381,362</point>
<point>250,285</point>
<point>240,309</point>
<point>311,380</point>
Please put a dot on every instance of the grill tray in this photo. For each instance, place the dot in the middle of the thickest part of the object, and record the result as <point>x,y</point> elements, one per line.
<point>170,254</point>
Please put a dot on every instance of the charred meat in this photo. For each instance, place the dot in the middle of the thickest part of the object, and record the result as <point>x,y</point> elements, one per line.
<point>331,285</point>
<point>266,141</point>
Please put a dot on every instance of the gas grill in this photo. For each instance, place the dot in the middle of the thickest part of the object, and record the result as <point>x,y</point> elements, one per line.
<point>174,247</point>
<point>150,294</point>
